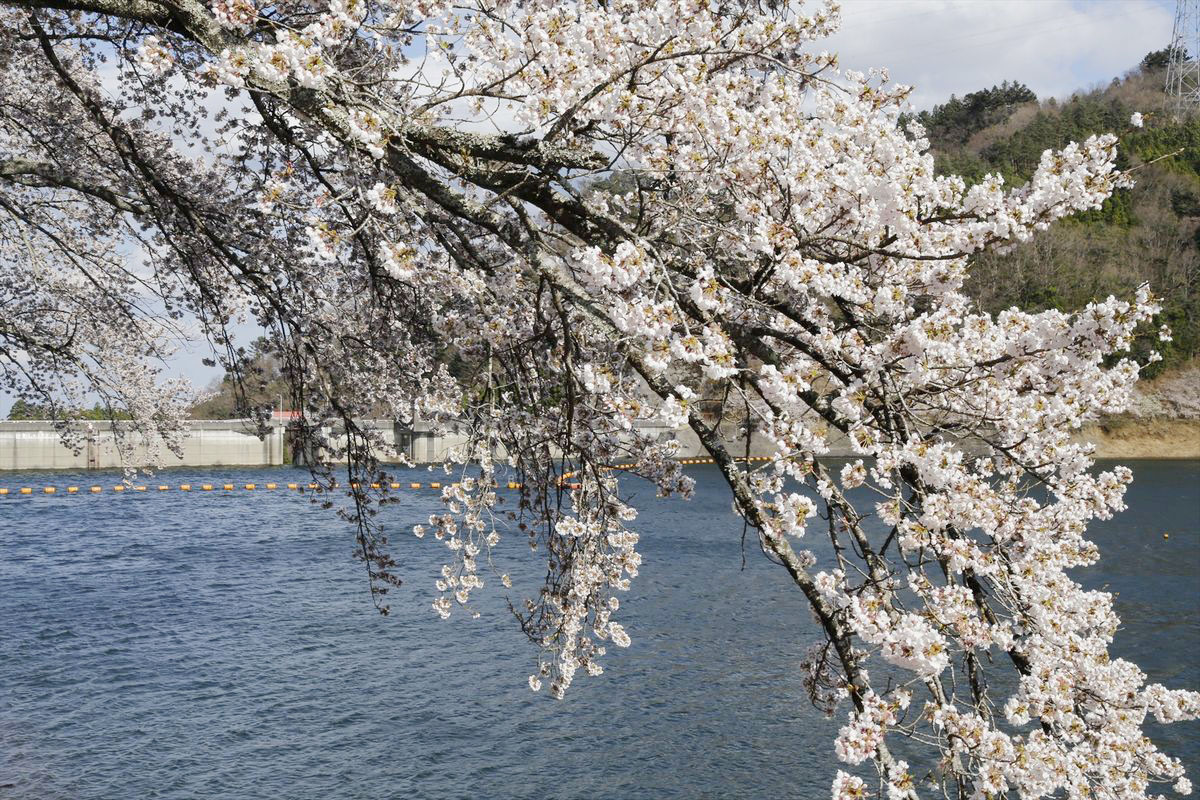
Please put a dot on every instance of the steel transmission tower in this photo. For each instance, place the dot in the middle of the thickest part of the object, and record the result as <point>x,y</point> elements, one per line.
<point>1183,70</point>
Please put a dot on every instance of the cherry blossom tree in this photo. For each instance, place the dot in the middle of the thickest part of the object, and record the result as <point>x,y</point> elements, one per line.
<point>544,223</point>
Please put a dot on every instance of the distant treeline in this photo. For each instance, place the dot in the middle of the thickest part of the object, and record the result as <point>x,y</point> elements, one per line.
<point>1150,232</point>
<point>22,410</point>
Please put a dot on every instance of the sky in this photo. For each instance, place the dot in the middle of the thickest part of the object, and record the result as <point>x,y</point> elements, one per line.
<point>944,47</point>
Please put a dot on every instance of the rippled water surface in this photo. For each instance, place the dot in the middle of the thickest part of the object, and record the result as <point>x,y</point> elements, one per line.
<point>172,645</point>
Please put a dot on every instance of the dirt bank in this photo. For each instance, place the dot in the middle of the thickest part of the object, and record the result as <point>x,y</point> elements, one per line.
<point>1162,422</point>
<point>1130,437</point>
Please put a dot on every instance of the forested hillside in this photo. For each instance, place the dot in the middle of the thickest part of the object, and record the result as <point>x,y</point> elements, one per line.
<point>1150,232</point>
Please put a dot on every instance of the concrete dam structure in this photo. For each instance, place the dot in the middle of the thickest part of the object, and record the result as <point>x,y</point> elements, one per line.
<point>37,444</point>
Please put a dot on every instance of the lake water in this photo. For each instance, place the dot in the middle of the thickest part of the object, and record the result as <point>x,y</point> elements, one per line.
<point>172,645</point>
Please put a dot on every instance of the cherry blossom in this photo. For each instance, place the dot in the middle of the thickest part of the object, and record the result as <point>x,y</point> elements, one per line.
<point>552,228</point>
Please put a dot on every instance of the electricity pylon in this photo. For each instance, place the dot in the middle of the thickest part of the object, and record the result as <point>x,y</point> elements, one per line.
<point>1183,69</point>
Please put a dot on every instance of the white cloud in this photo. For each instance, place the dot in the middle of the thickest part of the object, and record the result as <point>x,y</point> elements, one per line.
<point>958,46</point>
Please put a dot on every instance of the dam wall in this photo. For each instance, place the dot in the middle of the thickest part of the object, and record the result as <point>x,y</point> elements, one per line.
<point>37,444</point>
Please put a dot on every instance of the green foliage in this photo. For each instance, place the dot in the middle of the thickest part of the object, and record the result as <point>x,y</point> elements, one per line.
<point>1117,210</point>
<point>1017,156</point>
<point>1178,138</point>
<point>952,123</point>
<point>22,410</point>
<point>961,162</point>
<point>1157,60</point>
<point>1185,202</point>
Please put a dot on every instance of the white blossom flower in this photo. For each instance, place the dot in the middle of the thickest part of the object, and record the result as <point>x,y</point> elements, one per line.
<point>849,787</point>
<point>382,199</point>
<point>154,58</point>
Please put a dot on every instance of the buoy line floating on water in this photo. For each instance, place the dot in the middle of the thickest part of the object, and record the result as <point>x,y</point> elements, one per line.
<point>215,487</point>
<point>226,487</point>
<point>297,486</point>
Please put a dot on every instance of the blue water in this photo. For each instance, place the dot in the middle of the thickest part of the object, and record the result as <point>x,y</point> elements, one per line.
<point>170,645</point>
